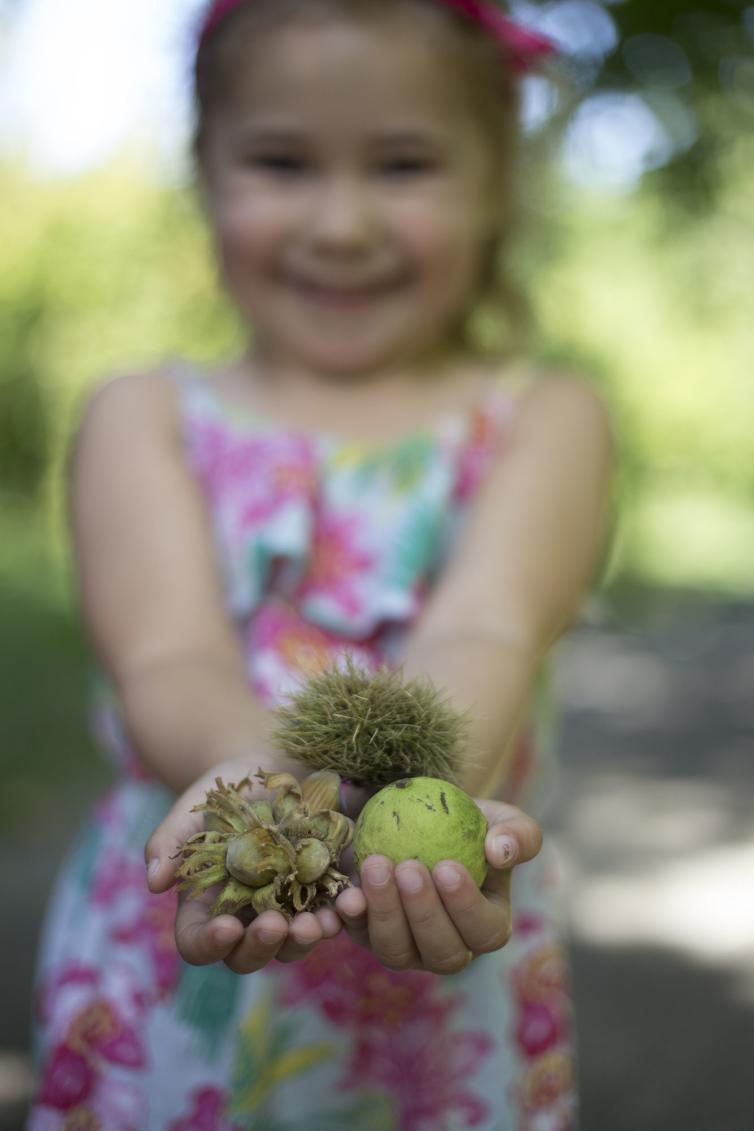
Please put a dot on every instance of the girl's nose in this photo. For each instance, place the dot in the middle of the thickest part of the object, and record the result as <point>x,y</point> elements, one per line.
<point>343,215</point>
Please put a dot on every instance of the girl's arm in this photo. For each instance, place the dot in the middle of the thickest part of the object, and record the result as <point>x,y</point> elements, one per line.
<point>532,546</point>
<point>150,592</point>
<point>151,599</point>
<point>535,538</point>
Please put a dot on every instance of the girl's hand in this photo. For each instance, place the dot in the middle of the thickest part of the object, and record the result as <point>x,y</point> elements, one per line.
<point>412,920</point>
<point>202,940</point>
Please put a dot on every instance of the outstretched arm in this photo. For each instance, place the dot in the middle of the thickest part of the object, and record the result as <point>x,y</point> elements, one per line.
<point>535,537</point>
<point>152,601</point>
<point>150,589</point>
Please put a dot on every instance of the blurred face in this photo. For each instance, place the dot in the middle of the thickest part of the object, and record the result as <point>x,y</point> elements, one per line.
<point>350,193</point>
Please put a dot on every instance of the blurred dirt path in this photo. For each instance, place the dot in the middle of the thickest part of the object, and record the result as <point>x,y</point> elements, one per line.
<point>657,828</point>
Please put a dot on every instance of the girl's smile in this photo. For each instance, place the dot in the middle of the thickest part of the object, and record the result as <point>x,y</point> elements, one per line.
<point>343,294</point>
<point>349,190</point>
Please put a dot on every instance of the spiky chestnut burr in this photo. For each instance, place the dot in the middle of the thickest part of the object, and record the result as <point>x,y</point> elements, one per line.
<point>372,729</point>
<point>279,855</point>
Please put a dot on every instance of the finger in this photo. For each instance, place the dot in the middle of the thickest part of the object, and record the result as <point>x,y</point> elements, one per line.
<point>512,838</point>
<point>202,940</point>
<point>304,934</point>
<point>352,908</point>
<point>351,905</point>
<point>260,943</point>
<point>441,948</point>
<point>482,918</point>
<point>497,885</point>
<point>329,921</point>
<point>390,936</point>
<point>160,851</point>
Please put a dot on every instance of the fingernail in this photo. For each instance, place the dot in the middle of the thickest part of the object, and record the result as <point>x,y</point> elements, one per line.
<point>448,877</point>
<point>409,880</point>
<point>505,849</point>
<point>153,868</point>
<point>378,874</point>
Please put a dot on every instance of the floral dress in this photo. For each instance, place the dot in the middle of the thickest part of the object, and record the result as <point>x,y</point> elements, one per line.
<point>325,547</point>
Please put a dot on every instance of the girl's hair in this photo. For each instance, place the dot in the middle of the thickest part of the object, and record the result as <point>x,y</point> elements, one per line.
<point>491,86</point>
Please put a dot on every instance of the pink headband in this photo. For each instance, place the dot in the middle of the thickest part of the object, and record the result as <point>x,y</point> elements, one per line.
<point>523,47</point>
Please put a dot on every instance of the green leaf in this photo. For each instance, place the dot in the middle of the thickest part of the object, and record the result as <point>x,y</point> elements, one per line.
<point>266,1059</point>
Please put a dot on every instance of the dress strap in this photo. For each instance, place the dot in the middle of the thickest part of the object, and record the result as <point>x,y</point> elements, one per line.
<point>184,375</point>
<point>195,399</point>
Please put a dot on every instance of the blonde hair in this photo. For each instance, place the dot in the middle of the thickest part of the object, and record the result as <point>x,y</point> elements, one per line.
<point>492,88</point>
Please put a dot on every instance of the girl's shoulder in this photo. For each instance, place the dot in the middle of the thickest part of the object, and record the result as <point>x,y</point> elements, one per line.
<point>139,402</point>
<point>555,397</point>
<point>531,378</point>
<point>148,405</point>
<point>155,385</point>
<point>126,420</point>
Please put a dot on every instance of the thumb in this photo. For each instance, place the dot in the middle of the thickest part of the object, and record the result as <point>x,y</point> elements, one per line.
<point>512,837</point>
<point>161,853</point>
<point>161,850</point>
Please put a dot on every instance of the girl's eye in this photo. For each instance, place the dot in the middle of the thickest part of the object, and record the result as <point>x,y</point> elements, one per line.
<point>279,163</point>
<point>409,167</point>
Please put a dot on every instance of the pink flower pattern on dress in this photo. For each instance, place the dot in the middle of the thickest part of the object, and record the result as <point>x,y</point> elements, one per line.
<point>542,1029</point>
<point>152,930</point>
<point>76,1080</point>
<point>207,1107</point>
<point>287,648</point>
<point>145,921</point>
<point>338,563</point>
<point>429,1070</point>
<point>278,482</point>
<point>404,1043</point>
<point>257,475</point>
<point>349,987</point>
<point>477,454</point>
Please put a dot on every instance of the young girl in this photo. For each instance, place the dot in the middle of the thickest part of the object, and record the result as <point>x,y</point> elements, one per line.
<point>362,481</point>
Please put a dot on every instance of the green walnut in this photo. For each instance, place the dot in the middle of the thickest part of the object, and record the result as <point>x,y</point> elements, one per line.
<point>425,819</point>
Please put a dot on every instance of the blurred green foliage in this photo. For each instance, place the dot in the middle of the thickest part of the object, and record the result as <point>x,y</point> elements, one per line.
<point>98,274</point>
<point>48,760</point>
<point>663,318</point>
<point>692,64</point>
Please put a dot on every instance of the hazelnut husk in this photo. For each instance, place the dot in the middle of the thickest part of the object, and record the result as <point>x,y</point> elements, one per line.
<point>281,854</point>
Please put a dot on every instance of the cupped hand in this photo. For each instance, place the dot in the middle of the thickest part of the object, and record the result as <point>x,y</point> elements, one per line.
<point>202,939</point>
<point>413,920</point>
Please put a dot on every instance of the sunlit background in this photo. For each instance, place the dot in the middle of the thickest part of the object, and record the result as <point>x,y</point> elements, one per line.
<point>638,257</point>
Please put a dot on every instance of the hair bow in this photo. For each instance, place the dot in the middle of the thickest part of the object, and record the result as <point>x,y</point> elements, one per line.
<point>524,47</point>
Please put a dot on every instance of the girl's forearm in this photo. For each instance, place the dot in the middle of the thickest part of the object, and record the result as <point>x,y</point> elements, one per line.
<point>492,679</point>
<point>185,716</point>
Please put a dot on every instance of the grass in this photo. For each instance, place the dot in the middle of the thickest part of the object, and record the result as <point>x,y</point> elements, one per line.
<point>45,752</point>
